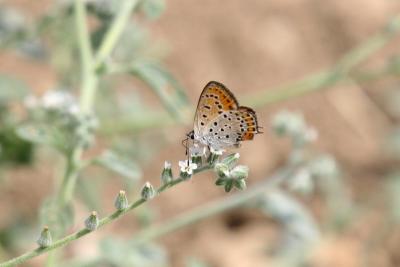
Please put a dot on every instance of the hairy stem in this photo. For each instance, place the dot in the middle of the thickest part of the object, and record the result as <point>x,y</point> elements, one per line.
<point>89,79</point>
<point>155,231</point>
<point>212,208</point>
<point>340,72</point>
<point>80,233</point>
<point>115,31</point>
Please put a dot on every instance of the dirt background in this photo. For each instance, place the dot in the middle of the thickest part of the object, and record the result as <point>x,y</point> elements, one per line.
<point>251,46</point>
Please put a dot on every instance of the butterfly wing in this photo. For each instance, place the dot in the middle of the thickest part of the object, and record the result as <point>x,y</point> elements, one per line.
<point>232,127</point>
<point>214,100</point>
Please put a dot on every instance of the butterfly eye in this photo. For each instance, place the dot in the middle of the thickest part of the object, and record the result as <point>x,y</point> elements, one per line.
<point>190,135</point>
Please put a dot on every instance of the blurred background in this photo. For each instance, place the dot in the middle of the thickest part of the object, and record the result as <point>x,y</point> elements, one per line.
<point>335,62</point>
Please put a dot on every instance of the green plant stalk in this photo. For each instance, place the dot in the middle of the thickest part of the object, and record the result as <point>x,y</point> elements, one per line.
<point>67,186</point>
<point>80,233</point>
<point>212,208</point>
<point>88,89</point>
<point>339,72</point>
<point>116,29</point>
<point>155,231</point>
<point>90,78</point>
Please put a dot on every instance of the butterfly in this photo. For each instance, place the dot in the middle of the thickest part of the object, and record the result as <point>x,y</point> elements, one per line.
<point>219,121</point>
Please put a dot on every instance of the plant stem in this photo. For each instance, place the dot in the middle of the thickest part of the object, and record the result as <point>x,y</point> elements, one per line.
<point>339,72</point>
<point>158,230</point>
<point>212,208</point>
<point>71,174</point>
<point>88,89</point>
<point>116,29</point>
<point>89,79</point>
<point>80,233</point>
<point>322,80</point>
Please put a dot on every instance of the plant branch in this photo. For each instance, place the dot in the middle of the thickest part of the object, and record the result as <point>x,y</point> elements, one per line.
<point>115,31</point>
<point>155,231</point>
<point>80,233</point>
<point>89,78</point>
<point>327,78</point>
<point>212,208</point>
<point>340,72</point>
<point>88,88</point>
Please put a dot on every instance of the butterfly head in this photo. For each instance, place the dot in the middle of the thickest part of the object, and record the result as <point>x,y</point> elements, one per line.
<point>190,135</point>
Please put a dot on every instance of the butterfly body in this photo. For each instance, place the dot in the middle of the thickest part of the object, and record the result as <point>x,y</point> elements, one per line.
<point>219,120</point>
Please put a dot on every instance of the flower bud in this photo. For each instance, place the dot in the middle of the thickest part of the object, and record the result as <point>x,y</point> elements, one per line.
<point>221,181</point>
<point>228,185</point>
<point>196,154</point>
<point>45,238</point>
<point>92,222</point>
<point>121,202</point>
<point>231,159</point>
<point>166,175</point>
<point>222,170</point>
<point>324,166</point>
<point>239,172</point>
<point>214,155</point>
<point>148,191</point>
<point>240,184</point>
<point>197,159</point>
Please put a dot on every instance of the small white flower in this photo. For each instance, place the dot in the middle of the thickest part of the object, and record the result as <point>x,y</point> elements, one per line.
<point>215,151</point>
<point>58,100</point>
<point>187,167</point>
<point>167,165</point>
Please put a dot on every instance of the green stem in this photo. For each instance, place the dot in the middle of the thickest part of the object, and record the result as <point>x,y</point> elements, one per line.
<point>339,72</point>
<point>212,208</point>
<point>78,234</point>
<point>88,87</point>
<point>116,29</point>
<point>71,174</point>
<point>158,230</point>
<point>89,79</point>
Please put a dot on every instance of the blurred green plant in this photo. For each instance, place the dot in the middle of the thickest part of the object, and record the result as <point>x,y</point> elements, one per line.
<point>12,148</point>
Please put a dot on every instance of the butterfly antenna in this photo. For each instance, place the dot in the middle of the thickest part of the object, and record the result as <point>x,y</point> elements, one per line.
<point>185,145</point>
<point>258,129</point>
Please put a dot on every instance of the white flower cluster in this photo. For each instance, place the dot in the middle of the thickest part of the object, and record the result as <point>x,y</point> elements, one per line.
<point>60,100</point>
<point>60,110</point>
